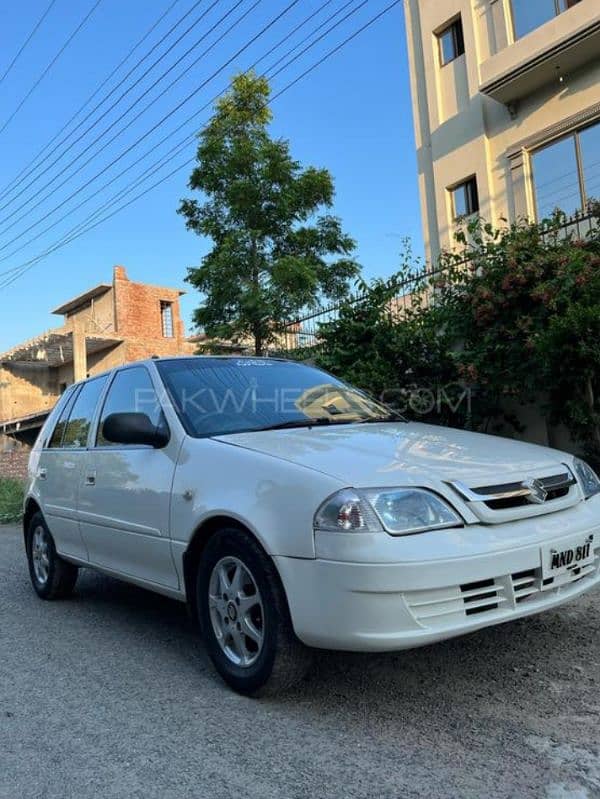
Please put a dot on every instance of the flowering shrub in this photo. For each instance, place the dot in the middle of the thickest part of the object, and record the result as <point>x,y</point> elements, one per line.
<point>514,316</point>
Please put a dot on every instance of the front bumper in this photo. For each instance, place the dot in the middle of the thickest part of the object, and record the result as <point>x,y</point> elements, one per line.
<point>379,607</point>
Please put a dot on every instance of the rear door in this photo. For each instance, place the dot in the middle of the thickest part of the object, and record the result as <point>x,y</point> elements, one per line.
<point>125,491</point>
<point>61,464</point>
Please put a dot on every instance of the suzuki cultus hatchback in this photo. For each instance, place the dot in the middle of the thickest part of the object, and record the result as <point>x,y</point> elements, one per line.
<point>290,511</point>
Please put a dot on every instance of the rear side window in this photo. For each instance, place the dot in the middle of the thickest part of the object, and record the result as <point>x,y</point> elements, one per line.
<point>132,391</point>
<point>80,419</point>
<point>59,430</point>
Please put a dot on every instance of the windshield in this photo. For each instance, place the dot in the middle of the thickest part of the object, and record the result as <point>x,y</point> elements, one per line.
<point>216,396</point>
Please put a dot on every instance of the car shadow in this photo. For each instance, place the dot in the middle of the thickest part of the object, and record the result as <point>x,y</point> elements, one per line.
<point>519,659</point>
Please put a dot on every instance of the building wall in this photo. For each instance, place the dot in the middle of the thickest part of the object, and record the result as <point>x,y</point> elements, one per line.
<point>14,464</point>
<point>129,311</point>
<point>99,316</point>
<point>26,389</point>
<point>461,132</point>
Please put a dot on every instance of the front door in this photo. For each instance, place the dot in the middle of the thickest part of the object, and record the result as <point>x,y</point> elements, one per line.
<point>125,491</point>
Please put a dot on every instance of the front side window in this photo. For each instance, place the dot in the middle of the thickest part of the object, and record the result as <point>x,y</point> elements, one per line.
<point>80,419</point>
<point>531,14</point>
<point>465,198</point>
<point>131,391</point>
<point>451,42</point>
<point>566,173</point>
<point>217,396</point>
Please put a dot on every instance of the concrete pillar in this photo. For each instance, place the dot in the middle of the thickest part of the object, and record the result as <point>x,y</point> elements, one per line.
<point>79,351</point>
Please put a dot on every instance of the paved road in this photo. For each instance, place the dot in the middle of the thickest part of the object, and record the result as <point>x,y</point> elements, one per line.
<point>111,695</point>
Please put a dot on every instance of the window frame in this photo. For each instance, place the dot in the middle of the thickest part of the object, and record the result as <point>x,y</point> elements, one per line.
<point>472,179</point>
<point>574,134</point>
<point>167,306</point>
<point>455,27</point>
<point>98,421</point>
<point>80,386</point>
<point>558,10</point>
<point>64,404</point>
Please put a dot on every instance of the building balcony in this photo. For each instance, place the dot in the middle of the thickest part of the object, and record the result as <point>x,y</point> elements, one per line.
<point>56,348</point>
<point>552,51</point>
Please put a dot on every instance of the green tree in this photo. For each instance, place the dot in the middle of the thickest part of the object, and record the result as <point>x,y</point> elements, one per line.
<point>272,254</point>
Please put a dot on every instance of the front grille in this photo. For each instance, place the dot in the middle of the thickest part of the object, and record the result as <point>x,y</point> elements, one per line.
<point>476,594</point>
<point>557,486</point>
<point>440,608</point>
<point>520,502</point>
<point>529,585</point>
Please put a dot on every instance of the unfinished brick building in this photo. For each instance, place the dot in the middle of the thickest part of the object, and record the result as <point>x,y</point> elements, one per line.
<point>111,324</point>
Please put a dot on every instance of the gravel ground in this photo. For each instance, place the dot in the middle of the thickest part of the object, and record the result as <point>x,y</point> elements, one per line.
<point>110,694</point>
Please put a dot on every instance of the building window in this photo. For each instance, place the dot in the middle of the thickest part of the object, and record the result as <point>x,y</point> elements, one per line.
<point>530,14</point>
<point>451,42</point>
<point>465,198</point>
<point>166,317</point>
<point>566,173</point>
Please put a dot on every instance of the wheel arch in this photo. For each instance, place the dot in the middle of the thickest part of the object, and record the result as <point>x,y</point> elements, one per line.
<point>197,544</point>
<point>31,508</point>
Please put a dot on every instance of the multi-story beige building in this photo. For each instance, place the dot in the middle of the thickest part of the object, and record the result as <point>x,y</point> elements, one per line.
<point>506,98</point>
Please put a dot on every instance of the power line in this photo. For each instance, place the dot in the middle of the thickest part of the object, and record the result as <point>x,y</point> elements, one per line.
<point>41,200</point>
<point>16,182</point>
<point>110,127</point>
<point>346,41</point>
<point>161,121</point>
<point>285,38</point>
<point>149,152</point>
<point>177,147</point>
<point>50,65</point>
<point>116,88</point>
<point>81,229</point>
<point>27,40</point>
<point>105,113</point>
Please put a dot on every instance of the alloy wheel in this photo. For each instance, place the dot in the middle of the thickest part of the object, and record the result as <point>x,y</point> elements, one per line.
<point>40,555</point>
<point>236,611</point>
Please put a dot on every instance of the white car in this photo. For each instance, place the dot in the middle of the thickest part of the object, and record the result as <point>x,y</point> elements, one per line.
<point>290,510</point>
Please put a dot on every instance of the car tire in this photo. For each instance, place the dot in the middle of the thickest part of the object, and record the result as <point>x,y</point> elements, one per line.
<point>245,619</point>
<point>51,576</point>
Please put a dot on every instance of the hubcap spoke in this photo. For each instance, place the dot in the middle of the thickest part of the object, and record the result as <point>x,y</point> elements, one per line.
<point>40,555</point>
<point>236,611</point>
<point>250,630</point>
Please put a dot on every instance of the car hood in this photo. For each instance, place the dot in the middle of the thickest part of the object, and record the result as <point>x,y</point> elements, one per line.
<point>401,453</point>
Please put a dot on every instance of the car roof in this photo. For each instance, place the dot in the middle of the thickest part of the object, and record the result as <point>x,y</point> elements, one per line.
<point>168,358</point>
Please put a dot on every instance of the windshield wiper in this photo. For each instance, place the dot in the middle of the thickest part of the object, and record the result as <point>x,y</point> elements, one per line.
<point>291,423</point>
<point>383,420</point>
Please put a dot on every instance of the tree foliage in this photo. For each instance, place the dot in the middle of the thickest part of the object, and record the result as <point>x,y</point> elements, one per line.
<point>272,254</point>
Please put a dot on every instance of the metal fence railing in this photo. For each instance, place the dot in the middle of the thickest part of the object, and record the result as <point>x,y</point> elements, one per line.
<point>299,336</point>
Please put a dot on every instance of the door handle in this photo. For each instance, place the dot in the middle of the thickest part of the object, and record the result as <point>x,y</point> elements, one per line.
<point>42,473</point>
<point>90,479</point>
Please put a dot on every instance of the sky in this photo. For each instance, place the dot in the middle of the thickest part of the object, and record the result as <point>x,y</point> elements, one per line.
<point>352,115</point>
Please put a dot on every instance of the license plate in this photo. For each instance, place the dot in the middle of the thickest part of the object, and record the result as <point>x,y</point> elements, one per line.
<point>567,555</point>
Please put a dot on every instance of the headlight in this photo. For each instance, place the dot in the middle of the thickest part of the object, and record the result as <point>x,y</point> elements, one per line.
<point>588,479</point>
<point>400,511</point>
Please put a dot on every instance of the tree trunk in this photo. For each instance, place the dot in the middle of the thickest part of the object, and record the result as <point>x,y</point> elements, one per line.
<point>591,402</point>
<point>258,341</point>
<point>257,332</point>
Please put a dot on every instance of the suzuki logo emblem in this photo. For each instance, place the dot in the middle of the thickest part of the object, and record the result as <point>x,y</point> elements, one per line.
<point>537,493</point>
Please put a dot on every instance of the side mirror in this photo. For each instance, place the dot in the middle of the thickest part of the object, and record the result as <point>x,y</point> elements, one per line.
<point>134,428</point>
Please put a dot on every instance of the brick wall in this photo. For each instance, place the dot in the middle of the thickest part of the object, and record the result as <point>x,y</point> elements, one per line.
<point>138,315</point>
<point>14,464</point>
